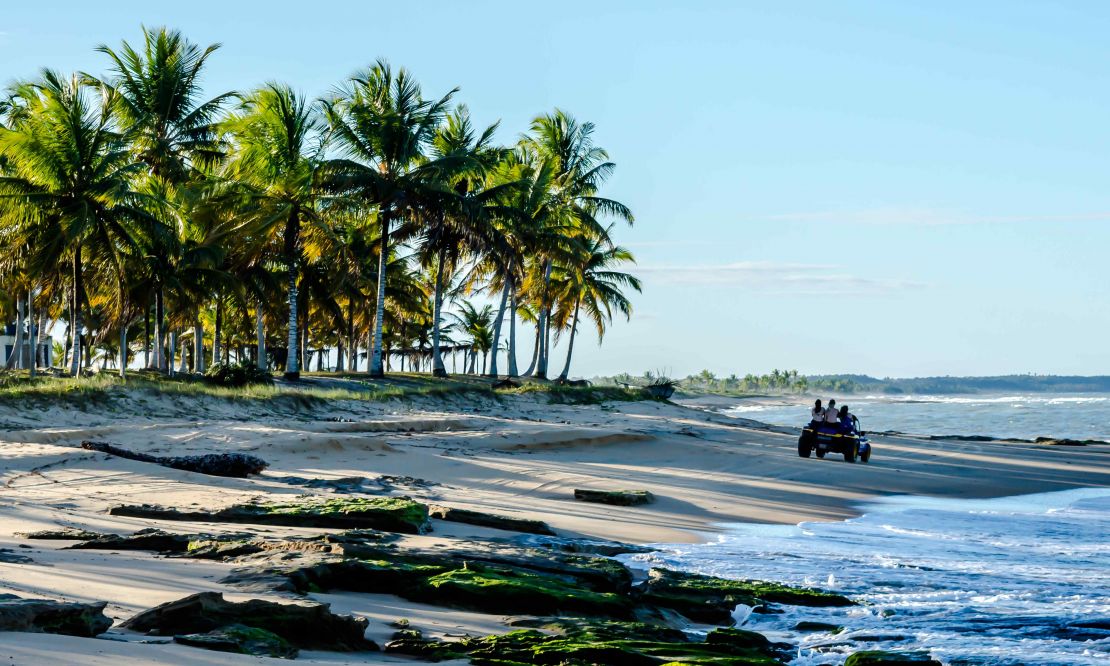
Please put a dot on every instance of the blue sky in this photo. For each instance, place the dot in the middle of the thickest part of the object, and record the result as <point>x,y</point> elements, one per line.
<point>889,188</point>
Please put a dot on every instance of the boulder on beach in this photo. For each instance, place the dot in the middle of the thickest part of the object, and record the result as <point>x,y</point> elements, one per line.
<point>306,626</point>
<point>53,617</point>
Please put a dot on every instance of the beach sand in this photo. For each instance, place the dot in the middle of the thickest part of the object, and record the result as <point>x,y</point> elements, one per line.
<point>517,456</point>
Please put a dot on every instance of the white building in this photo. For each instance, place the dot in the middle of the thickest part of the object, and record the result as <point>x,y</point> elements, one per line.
<point>7,344</point>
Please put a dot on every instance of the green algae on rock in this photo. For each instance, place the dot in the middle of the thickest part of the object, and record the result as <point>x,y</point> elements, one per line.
<point>709,599</point>
<point>615,497</point>
<point>241,639</point>
<point>889,658</point>
<point>587,642</point>
<point>509,591</point>
<point>391,514</point>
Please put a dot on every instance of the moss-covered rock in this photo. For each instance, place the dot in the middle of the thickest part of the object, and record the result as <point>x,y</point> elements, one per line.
<point>615,497</point>
<point>308,626</point>
<point>495,521</point>
<point>888,658</point>
<point>392,514</point>
<point>241,639</point>
<point>710,599</point>
<point>508,591</point>
<point>586,642</point>
<point>52,617</point>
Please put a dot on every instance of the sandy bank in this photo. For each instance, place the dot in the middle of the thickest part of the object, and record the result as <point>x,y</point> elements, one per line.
<point>520,457</point>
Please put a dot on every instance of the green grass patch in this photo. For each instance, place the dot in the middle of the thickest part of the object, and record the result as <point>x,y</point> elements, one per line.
<point>579,395</point>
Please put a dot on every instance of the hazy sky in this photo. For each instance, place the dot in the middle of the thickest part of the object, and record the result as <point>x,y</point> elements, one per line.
<point>898,188</point>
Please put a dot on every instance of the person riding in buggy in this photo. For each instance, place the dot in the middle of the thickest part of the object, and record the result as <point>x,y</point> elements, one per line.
<point>836,432</point>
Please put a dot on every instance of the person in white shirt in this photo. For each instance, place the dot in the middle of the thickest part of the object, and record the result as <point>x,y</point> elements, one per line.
<point>817,414</point>
<point>831,415</point>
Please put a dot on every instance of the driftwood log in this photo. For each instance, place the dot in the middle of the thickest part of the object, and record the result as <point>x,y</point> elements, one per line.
<point>238,465</point>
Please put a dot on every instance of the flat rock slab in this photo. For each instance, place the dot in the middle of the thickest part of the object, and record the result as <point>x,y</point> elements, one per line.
<point>615,497</point>
<point>495,521</point>
<point>391,514</point>
<point>306,626</point>
<point>52,617</point>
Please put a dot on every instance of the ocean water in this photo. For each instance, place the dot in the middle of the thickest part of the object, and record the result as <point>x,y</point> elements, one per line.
<point>1074,416</point>
<point>1001,582</point>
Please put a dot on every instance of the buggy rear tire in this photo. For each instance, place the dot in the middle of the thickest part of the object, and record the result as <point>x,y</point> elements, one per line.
<point>865,456</point>
<point>850,452</point>
<point>803,446</point>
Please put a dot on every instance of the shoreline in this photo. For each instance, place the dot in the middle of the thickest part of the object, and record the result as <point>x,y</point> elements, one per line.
<point>519,456</point>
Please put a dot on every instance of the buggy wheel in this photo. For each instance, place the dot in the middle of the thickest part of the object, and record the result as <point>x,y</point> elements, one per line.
<point>865,455</point>
<point>821,452</point>
<point>850,452</point>
<point>803,446</point>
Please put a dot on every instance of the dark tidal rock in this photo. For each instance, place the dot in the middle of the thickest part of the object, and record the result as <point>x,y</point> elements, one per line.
<point>495,521</point>
<point>392,514</point>
<point>241,639</point>
<point>889,658</point>
<point>712,600</point>
<point>52,617</point>
<point>306,626</point>
<point>615,497</point>
<point>238,465</point>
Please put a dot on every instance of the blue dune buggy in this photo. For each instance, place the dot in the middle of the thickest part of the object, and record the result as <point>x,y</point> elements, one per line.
<point>826,438</point>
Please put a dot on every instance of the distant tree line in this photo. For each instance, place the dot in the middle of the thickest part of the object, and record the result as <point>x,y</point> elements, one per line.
<point>791,382</point>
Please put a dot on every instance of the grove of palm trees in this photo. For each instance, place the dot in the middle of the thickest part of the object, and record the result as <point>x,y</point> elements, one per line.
<point>153,224</point>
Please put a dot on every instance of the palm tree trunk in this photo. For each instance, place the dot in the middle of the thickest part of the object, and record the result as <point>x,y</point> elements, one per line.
<point>219,329</point>
<point>438,369</point>
<point>31,334</point>
<point>160,331</point>
<point>260,335</point>
<point>512,334</point>
<point>15,356</point>
<point>544,324</point>
<point>291,368</point>
<point>535,353</point>
<point>376,369</point>
<point>352,342</point>
<point>146,336</point>
<point>75,359</point>
<point>122,333</point>
<point>497,325</point>
<point>570,343</point>
<point>198,347</point>
<point>172,353</point>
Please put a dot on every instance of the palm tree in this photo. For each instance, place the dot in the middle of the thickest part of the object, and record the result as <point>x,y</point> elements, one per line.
<point>594,284</point>
<point>475,323</point>
<point>383,126</point>
<point>173,132</point>
<point>581,168</point>
<point>276,153</point>
<point>69,185</point>
<point>461,224</point>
